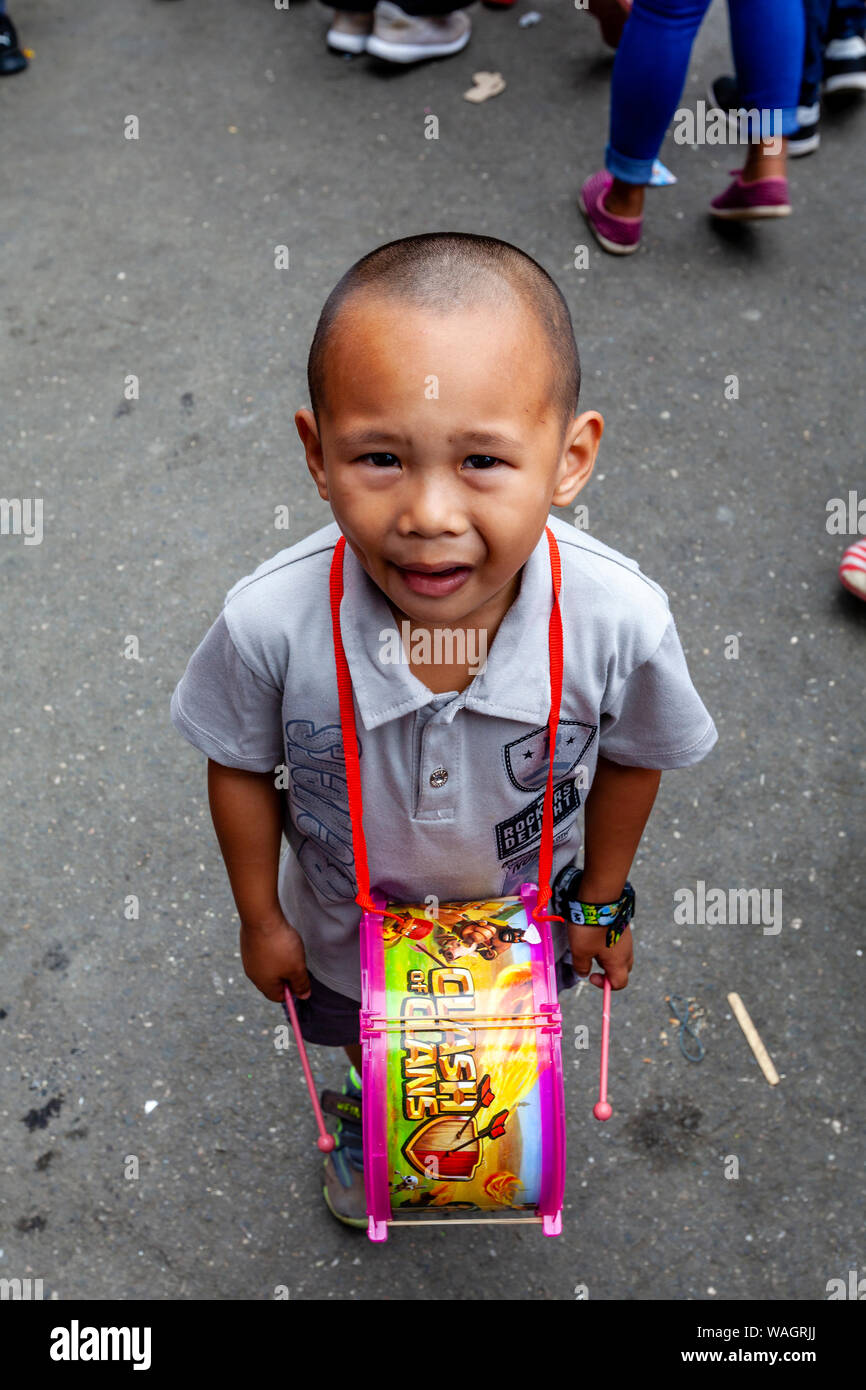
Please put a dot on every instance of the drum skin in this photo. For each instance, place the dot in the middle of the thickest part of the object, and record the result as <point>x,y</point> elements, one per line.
<point>462,1074</point>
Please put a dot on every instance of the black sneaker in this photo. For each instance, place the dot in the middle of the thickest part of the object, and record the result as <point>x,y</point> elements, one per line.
<point>724,95</point>
<point>807,136</point>
<point>11,57</point>
<point>845,65</point>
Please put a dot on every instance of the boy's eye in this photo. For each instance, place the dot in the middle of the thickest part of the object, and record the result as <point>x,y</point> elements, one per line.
<point>482,460</point>
<point>379,460</point>
<point>384,460</point>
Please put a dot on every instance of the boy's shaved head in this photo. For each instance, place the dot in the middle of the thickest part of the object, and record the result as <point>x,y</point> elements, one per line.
<point>443,504</point>
<point>443,271</point>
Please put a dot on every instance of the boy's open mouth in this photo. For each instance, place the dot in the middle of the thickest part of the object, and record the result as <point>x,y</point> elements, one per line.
<point>433,580</point>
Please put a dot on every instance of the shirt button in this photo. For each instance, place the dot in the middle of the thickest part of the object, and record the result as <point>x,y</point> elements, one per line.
<point>438,777</point>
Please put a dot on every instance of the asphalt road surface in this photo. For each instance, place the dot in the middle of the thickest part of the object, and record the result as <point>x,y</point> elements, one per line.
<point>155,257</point>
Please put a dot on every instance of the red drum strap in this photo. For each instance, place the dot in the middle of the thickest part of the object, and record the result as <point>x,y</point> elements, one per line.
<point>350,736</point>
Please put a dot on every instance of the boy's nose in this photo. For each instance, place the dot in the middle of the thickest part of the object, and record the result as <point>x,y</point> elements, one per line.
<point>432,510</point>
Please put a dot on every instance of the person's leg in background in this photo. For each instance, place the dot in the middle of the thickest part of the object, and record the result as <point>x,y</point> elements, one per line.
<point>407,33</point>
<point>834,61</point>
<point>847,18</point>
<point>817,16</point>
<point>767,39</point>
<point>649,76</point>
<point>844,66</point>
<point>11,58</point>
<point>805,138</point>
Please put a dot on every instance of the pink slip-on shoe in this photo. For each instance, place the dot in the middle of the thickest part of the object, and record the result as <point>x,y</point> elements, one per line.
<point>745,201</point>
<point>619,235</point>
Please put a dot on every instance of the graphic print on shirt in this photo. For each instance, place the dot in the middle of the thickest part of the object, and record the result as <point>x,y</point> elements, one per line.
<point>526,761</point>
<point>526,757</point>
<point>319,806</point>
<point>525,867</point>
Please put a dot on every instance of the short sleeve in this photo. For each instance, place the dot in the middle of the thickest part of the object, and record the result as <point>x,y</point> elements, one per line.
<point>225,709</point>
<point>657,719</point>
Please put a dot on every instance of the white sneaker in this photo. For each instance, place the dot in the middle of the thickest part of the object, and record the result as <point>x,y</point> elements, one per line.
<point>349,31</point>
<point>403,38</point>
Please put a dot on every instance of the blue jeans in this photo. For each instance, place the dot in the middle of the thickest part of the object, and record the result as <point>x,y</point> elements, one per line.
<point>825,20</point>
<point>652,61</point>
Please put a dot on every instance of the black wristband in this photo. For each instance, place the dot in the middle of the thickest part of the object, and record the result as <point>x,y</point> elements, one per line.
<point>614,917</point>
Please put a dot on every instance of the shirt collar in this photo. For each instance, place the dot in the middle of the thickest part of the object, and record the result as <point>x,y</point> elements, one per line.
<point>514,684</point>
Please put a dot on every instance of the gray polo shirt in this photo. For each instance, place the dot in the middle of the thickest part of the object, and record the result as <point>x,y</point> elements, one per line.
<point>453,784</point>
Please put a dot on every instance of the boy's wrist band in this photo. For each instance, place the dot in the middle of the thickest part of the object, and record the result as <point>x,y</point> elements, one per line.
<point>615,917</point>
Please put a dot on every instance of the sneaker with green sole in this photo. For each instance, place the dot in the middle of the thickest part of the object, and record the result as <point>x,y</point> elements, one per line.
<point>343,1191</point>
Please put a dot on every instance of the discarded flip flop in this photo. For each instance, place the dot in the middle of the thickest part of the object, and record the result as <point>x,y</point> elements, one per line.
<point>487,84</point>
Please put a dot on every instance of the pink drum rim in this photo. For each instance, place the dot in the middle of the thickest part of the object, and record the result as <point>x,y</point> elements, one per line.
<point>373,1067</point>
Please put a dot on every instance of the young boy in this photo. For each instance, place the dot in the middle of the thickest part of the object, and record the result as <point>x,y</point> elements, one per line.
<point>443,381</point>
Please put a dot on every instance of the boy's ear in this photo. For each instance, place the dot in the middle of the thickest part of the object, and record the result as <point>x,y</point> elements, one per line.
<point>579,450</point>
<point>305,423</point>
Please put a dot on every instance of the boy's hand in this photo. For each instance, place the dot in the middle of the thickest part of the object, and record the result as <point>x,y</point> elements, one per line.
<point>616,961</point>
<point>273,955</point>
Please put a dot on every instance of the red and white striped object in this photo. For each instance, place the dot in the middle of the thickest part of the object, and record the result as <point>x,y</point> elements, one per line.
<point>852,570</point>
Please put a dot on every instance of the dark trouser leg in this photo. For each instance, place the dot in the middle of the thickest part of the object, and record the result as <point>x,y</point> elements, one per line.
<point>413,7</point>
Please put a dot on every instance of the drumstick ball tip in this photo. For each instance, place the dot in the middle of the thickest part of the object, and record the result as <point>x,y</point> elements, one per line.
<point>325,1142</point>
<point>602,1110</point>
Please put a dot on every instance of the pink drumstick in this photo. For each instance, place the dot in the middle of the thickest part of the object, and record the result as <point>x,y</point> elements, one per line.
<point>325,1141</point>
<point>602,1110</point>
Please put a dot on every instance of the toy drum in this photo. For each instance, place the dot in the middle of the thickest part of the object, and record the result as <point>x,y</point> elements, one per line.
<point>463,1111</point>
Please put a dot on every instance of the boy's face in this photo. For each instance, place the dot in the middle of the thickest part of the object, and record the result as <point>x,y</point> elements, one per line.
<point>440,445</point>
